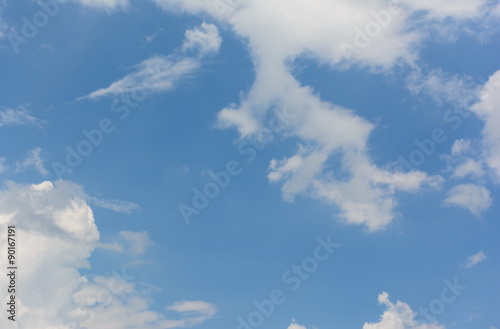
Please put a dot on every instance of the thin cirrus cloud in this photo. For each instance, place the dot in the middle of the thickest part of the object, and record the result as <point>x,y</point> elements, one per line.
<point>162,73</point>
<point>20,117</point>
<point>120,206</point>
<point>52,219</point>
<point>32,160</point>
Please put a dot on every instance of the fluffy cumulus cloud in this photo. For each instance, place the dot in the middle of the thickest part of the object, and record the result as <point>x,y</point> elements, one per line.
<point>473,197</point>
<point>333,161</point>
<point>205,39</point>
<point>296,326</point>
<point>488,109</point>
<point>162,73</point>
<point>51,219</point>
<point>398,316</point>
<point>475,259</point>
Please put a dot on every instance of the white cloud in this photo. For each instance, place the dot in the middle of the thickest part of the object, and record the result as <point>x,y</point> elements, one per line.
<point>488,110</point>
<point>3,166</point>
<point>34,160</point>
<point>461,146</point>
<point>52,219</point>
<point>469,167</point>
<point>153,75</point>
<point>162,73</point>
<point>296,326</point>
<point>21,117</point>
<point>194,307</point>
<point>442,87</point>
<point>458,9</point>
<point>116,205</point>
<point>474,259</point>
<point>328,133</point>
<point>106,5</point>
<point>205,39</point>
<point>139,240</point>
<point>473,197</point>
<point>133,243</point>
<point>398,316</point>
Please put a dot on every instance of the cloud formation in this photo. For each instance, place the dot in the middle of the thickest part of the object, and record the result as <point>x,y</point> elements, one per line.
<point>52,219</point>
<point>398,316</point>
<point>20,117</point>
<point>473,197</point>
<point>162,73</point>
<point>475,259</point>
<point>34,160</point>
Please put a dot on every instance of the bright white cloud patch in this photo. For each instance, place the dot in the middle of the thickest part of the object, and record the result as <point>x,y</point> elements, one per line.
<point>475,259</point>
<point>488,109</point>
<point>34,160</point>
<point>205,39</point>
<point>296,326</point>
<point>376,34</point>
<point>473,197</point>
<point>21,117</point>
<point>52,219</point>
<point>398,316</point>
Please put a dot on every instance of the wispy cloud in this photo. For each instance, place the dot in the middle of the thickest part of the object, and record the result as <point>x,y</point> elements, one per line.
<point>3,166</point>
<point>473,260</point>
<point>34,160</point>
<point>20,117</point>
<point>125,207</point>
<point>140,241</point>
<point>162,73</point>
<point>151,76</point>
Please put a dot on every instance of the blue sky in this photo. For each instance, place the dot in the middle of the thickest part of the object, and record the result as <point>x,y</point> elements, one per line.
<point>241,164</point>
